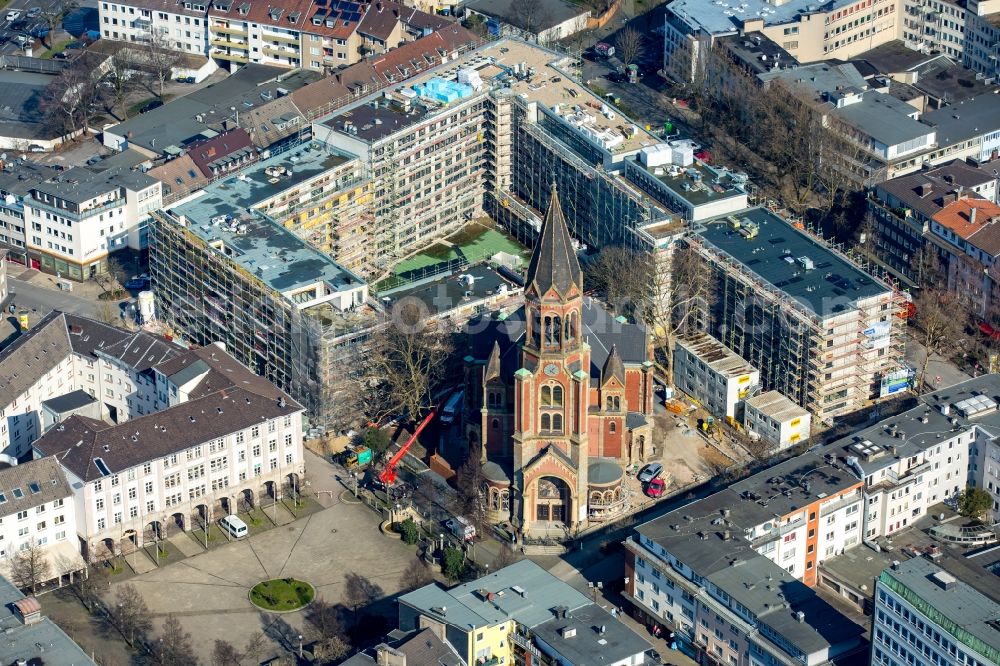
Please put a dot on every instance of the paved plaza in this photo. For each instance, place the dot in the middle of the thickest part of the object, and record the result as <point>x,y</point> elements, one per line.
<point>209,592</point>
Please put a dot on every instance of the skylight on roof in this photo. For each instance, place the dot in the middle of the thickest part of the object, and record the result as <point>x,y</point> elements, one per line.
<point>18,494</point>
<point>34,488</point>
<point>3,498</point>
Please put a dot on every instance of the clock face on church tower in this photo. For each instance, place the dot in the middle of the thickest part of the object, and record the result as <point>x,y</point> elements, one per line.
<point>552,369</point>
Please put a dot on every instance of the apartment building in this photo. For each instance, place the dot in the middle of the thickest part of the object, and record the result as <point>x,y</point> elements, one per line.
<point>982,34</point>
<point>731,574</point>
<point>713,375</point>
<point>969,233</point>
<point>37,511</point>
<point>62,354</point>
<point>76,220</point>
<point>16,181</point>
<point>805,30</point>
<point>818,328</point>
<point>670,174</point>
<point>224,270</point>
<point>935,26</point>
<point>311,34</point>
<point>181,25</point>
<point>929,614</point>
<point>3,275</point>
<point>522,614</point>
<point>967,129</point>
<point>224,438</point>
<point>900,212</point>
<point>924,456</point>
<point>886,131</point>
<point>774,418</point>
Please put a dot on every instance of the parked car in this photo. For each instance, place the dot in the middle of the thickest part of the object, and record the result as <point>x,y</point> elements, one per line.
<point>137,283</point>
<point>155,104</point>
<point>94,160</point>
<point>57,167</point>
<point>35,148</point>
<point>13,15</point>
<point>34,12</point>
<point>656,487</point>
<point>461,528</point>
<point>650,472</point>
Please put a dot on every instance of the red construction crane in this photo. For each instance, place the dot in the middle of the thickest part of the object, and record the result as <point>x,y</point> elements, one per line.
<point>388,476</point>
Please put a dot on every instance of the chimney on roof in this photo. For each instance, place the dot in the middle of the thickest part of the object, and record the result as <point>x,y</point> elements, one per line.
<point>972,215</point>
<point>386,656</point>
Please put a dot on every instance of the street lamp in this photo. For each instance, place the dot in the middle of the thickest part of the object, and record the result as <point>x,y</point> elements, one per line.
<point>300,646</point>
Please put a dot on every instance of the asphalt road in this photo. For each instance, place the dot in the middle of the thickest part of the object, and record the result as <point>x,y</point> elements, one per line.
<point>6,31</point>
<point>39,301</point>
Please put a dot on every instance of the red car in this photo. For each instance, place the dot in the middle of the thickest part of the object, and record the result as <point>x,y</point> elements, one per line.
<point>655,487</point>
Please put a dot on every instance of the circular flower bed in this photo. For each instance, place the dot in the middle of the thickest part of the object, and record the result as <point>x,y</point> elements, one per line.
<point>281,594</point>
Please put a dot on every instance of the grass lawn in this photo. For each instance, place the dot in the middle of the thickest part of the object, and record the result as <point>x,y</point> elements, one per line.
<point>282,594</point>
<point>137,107</point>
<point>56,48</point>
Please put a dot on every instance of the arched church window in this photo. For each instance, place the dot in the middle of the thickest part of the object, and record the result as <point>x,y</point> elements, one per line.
<point>556,330</point>
<point>546,422</point>
<point>612,428</point>
<point>546,396</point>
<point>495,424</point>
<point>505,500</point>
<point>557,396</point>
<point>557,422</point>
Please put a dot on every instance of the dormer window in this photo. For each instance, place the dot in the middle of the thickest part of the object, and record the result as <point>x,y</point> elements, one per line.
<point>244,8</point>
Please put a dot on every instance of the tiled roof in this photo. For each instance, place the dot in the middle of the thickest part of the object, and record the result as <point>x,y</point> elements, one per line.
<point>227,398</point>
<point>968,217</point>
<point>179,175</point>
<point>31,484</point>
<point>231,144</point>
<point>553,262</point>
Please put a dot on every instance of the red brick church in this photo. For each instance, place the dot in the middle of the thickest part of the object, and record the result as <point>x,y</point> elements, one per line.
<point>559,394</point>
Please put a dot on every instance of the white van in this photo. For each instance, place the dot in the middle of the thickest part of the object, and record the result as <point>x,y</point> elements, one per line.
<point>235,526</point>
<point>461,528</point>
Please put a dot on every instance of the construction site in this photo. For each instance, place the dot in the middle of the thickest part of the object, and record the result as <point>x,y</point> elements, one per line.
<point>820,330</point>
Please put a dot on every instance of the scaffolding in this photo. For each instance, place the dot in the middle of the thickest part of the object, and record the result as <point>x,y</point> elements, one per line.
<point>831,364</point>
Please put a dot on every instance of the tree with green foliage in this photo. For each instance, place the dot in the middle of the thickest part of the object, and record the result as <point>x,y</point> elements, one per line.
<point>453,563</point>
<point>974,503</point>
<point>377,440</point>
<point>409,531</point>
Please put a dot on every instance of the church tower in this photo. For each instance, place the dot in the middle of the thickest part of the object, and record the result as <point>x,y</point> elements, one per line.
<point>552,386</point>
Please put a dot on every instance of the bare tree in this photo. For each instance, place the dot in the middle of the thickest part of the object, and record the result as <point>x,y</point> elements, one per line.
<point>29,567</point>
<point>122,78</point>
<point>529,15</point>
<point>331,650</point>
<point>130,613</point>
<point>939,322</point>
<point>681,295</point>
<point>225,654</point>
<point>629,45</point>
<point>70,100</point>
<point>174,648</point>
<point>52,16</point>
<point>360,591</point>
<point>405,364</point>
<point>160,58</point>
<point>623,278</point>
<point>506,557</point>
<point>325,620</point>
<point>415,575</point>
<point>88,588</point>
<point>113,277</point>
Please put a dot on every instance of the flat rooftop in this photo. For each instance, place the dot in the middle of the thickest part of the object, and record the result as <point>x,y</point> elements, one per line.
<point>918,429</point>
<point>964,605</point>
<point>697,183</point>
<point>977,567</point>
<point>776,405</point>
<point>966,119</point>
<point>550,85</point>
<point>201,114</point>
<point>449,292</point>
<point>223,213</point>
<point>775,255</point>
<point>724,17</point>
<point>716,355</point>
<point>20,113</point>
<point>42,642</point>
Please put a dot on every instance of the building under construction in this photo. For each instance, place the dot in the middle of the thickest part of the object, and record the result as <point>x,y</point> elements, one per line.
<point>223,270</point>
<point>819,329</point>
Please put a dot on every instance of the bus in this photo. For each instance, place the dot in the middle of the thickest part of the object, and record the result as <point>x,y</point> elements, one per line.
<point>452,407</point>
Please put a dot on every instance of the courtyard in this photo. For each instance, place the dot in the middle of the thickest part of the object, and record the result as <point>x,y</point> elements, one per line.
<point>209,592</point>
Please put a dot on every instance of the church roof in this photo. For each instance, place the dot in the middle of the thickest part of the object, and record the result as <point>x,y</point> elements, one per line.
<point>553,262</point>
<point>613,367</point>
<point>600,330</point>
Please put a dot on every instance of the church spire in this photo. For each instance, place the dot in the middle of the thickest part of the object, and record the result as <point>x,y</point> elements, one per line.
<point>553,262</point>
<point>614,367</point>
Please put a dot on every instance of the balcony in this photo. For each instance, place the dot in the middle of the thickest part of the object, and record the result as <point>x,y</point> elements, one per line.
<point>219,41</point>
<point>287,39</point>
<point>280,52</point>
<point>228,30</point>
<point>225,55</point>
